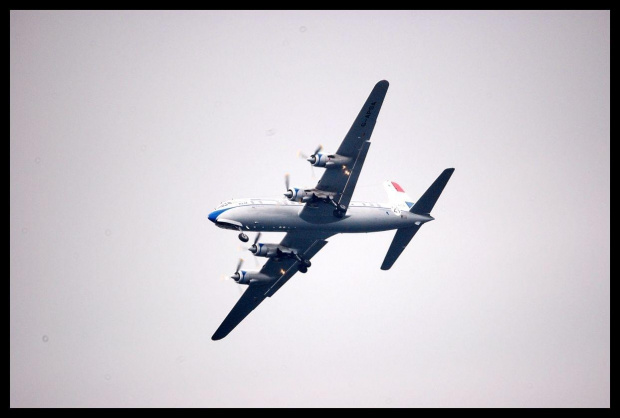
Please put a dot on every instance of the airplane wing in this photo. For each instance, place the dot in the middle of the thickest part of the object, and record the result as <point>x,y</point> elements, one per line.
<point>355,146</point>
<point>306,244</point>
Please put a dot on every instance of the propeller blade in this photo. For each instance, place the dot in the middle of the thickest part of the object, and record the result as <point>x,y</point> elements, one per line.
<point>286,181</point>
<point>319,148</point>
<point>239,264</point>
<point>257,238</point>
<point>300,154</point>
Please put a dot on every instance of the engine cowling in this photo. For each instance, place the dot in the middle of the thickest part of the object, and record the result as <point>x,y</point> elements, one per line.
<point>318,159</point>
<point>269,250</point>
<point>328,161</point>
<point>264,250</point>
<point>299,195</point>
<point>248,277</point>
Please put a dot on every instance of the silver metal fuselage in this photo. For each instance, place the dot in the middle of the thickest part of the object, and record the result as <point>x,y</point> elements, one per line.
<point>271,215</point>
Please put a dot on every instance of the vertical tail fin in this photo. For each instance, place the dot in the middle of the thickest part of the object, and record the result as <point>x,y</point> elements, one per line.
<point>397,196</point>
<point>422,207</point>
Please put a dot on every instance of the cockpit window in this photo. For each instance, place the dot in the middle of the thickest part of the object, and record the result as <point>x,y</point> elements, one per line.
<point>224,204</point>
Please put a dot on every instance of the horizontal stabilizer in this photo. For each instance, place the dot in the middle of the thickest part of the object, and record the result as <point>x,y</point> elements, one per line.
<point>425,204</point>
<point>400,241</point>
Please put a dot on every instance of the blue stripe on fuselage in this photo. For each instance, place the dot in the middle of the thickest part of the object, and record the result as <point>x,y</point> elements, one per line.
<point>213,215</point>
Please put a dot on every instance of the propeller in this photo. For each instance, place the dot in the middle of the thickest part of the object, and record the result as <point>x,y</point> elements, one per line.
<point>236,276</point>
<point>289,192</point>
<point>312,158</point>
<point>253,249</point>
<point>300,154</point>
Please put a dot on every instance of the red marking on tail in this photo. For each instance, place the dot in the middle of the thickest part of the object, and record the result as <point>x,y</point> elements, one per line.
<point>397,187</point>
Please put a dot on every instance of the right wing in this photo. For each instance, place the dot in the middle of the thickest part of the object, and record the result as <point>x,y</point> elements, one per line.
<point>355,145</point>
<point>306,244</point>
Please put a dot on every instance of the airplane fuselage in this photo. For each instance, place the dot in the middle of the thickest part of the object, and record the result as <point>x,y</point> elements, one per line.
<point>272,215</point>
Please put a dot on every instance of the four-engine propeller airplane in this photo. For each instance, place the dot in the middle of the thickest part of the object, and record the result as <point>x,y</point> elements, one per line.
<point>310,216</point>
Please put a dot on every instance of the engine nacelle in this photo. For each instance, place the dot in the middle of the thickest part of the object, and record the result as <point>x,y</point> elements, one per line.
<point>269,250</point>
<point>264,250</point>
<point>299,195</point>
<point>247,277</point>
<point>328,161</point>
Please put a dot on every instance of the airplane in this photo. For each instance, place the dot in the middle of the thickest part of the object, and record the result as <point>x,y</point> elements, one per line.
<point>310,216</point>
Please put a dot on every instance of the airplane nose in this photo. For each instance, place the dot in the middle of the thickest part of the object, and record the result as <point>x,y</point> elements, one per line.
<point>213,216</point>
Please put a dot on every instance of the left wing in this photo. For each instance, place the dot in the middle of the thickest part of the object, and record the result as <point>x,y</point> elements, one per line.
<point>355,146</point>
<point>306,244</point>
<point>251,298</point>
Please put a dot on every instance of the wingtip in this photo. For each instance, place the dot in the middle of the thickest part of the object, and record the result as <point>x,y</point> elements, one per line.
<point>383,82</point>
<point>217,336</point>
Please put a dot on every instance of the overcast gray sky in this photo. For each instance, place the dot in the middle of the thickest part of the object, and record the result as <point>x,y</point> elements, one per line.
<point>128,128</point>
